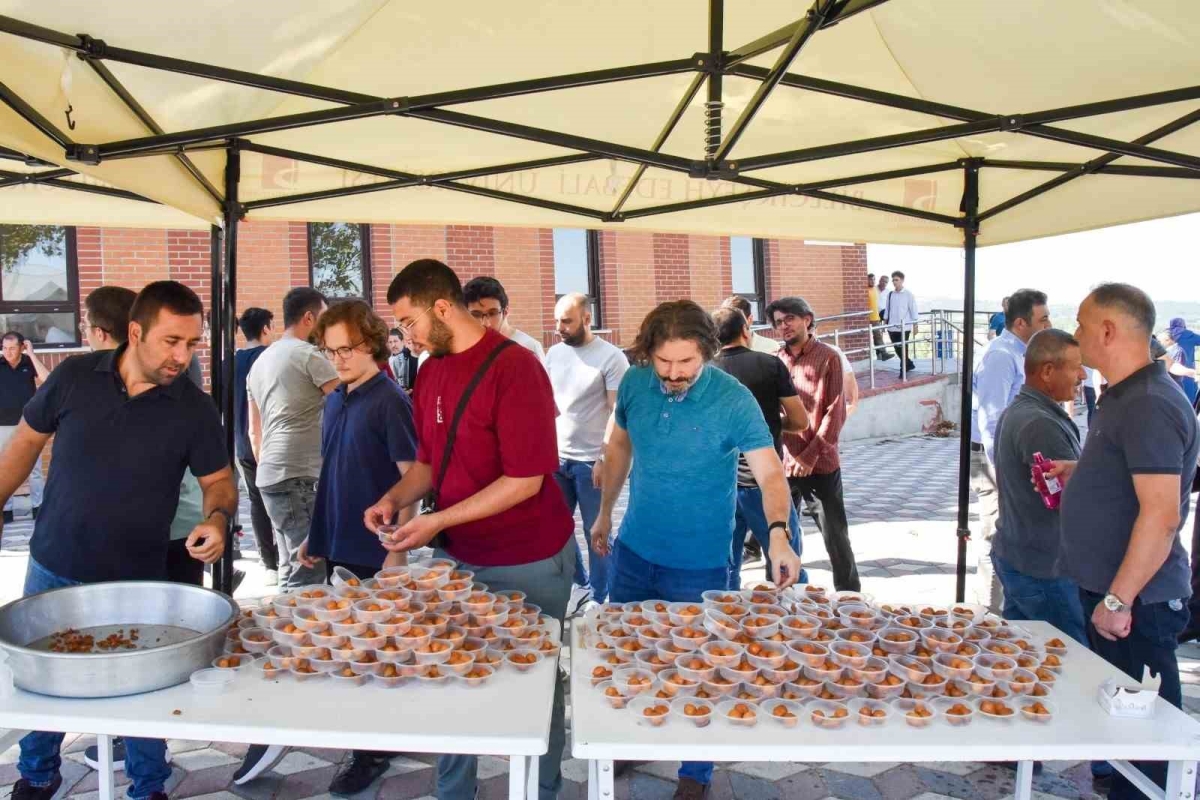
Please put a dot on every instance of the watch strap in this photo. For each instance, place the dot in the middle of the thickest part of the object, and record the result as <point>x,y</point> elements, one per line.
<point>777,524</point>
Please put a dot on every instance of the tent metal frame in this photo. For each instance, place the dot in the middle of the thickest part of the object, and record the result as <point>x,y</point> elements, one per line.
<point>709,68</point>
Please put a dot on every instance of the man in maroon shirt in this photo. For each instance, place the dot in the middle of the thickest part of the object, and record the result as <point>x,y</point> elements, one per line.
<point>810,458</point>
<point>499,511</point>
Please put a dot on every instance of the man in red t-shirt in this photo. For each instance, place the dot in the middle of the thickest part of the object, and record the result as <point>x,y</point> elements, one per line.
<point>499,511</point>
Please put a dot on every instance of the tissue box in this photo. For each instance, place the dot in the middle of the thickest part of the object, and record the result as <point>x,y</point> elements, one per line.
<point>1122,698</point>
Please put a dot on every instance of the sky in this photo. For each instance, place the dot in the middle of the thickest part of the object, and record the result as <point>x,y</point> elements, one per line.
<point>1161,256</point>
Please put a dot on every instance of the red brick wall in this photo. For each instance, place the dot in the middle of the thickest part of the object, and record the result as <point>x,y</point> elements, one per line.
<point>671,278</point>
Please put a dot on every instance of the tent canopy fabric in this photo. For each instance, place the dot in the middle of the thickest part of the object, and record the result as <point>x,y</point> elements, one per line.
<point>951,81</point>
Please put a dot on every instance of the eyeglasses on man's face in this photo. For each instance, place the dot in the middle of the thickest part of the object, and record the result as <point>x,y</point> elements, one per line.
<point>341,352</point>
<point>484,316</point>
<point>407,327</point>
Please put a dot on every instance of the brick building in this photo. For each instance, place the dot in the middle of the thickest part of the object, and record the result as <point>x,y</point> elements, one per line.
<point>627,272</point>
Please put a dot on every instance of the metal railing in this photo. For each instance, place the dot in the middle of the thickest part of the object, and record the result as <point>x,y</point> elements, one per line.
<point>938,340</point>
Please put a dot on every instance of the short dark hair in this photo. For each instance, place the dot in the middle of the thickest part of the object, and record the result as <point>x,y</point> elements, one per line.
<point>395,332</point>
<point>677,319</point>
<point>254,321</point>
<point>1047,346</point>
<point>792,305</point>
<point>108,309</point>
<point>362,321</point>
<point>1020,306</point>
<point>300,301</point>
<point>1128,299</point>
<point>424,282</point>
<point>483,288</point>
<point>898,274</point>
<point>738,302</point>
<point>13,335</point>
<point>171,295</point>
<point>871,276</point>
<point>731,325</point>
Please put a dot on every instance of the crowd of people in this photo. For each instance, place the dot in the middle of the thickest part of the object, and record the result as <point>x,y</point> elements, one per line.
<point>359,442</point>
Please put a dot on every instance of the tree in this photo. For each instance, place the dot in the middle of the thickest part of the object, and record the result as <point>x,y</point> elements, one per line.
<point>18,241</point>
<point>337,262</point>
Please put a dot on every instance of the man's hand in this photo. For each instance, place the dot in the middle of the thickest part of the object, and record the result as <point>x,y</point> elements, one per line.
<point>206,542</point>
<point>1112,625</point>
<point>785,564</point>
<point>1063,470</point>
<point>417,532</point>
<point>27,348</point>
<point>598,475</point>
<point>804,469</point>
<point>382,513</point>
<point>601,531</point>
<point>304,558</point>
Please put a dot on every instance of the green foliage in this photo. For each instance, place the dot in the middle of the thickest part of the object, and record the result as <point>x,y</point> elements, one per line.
<point>337,258</point>
<point>18,241</point>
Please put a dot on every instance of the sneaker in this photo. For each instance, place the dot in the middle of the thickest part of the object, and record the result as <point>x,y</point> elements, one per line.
<point>8,517</point>
<point>271,577</point>
<point>690,789</point>
<point>579,597</point>
<point>358,773</point>
<point>259,758</point>
<point>24,790</point>
<point>157,796</point>
<point>751,556</point>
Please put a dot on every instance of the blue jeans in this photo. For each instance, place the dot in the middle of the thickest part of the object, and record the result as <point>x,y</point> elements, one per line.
<point>1053,600</point>
<point>750,515</point>
<point>575,480</point>
<point>145,759</point>
<point>634,578</point>
<point>289,504</point>
<point>1151,643</point>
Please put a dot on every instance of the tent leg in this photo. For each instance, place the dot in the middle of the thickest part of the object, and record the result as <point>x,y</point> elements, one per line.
<point>970,207</point>
<point>224,288</point>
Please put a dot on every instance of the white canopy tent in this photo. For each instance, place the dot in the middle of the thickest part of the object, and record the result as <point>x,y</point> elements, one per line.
<point>906,121</point>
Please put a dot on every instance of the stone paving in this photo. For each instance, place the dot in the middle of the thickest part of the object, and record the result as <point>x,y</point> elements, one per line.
<point>900,498</point>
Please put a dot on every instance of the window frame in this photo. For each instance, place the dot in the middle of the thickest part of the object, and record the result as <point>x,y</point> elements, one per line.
<point>594,293</point>
<point>758,256</point>
<point>70,306</point>
<point>364,248</point>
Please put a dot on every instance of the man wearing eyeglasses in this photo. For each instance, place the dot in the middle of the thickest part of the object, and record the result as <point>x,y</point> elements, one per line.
<point>488,303</point>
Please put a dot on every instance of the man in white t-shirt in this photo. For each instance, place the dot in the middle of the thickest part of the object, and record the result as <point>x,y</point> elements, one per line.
<point>759,344</point>
<point>585,372</point>
<point>900,311</point>
<point>488,302</point>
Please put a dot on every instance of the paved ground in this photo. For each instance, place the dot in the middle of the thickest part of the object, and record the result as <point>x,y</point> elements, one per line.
<point>900,496</point>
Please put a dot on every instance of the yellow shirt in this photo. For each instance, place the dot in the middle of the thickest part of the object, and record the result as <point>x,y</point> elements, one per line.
<point>873,303</point>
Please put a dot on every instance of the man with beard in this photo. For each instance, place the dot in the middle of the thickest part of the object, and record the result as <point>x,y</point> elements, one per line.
<point>681,424</point>
<point>810,458</point>
<point>586,372</point>
<point>105,410</point>
<point>484,413</point>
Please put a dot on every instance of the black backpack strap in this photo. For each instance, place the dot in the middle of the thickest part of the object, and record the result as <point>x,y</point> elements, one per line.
<point>458,413</point>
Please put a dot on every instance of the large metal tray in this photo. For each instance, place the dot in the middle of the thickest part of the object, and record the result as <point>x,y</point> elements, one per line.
<point>190,621</point>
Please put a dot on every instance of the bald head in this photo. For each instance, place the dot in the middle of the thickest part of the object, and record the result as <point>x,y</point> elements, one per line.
<point>573,319</point>
<point>1115,323</point>
<point>1053,364</point>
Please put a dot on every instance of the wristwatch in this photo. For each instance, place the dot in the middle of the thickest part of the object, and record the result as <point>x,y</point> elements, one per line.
<point>777,524</point>
<point>1115,604</point>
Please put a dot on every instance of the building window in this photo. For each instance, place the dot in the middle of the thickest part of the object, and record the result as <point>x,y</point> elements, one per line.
<point>577,266</point>
<point>749,273</point>
<point>339,259</point>
<point>39,293</point>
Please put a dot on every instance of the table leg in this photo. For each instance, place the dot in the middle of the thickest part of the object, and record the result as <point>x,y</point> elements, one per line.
<point>1181,780</point>
<point>105,773</point>
<point>593,779</point>
<point>1023,789</point>
<point>531,782</point>
<point>604,780</point>
<point>518,777</point>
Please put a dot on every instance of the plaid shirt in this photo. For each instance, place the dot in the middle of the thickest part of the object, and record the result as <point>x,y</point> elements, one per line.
<point>817,374</point>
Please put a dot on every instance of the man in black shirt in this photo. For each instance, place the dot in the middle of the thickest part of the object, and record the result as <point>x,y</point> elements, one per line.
<point>768,380</point>
<point>20,374</point>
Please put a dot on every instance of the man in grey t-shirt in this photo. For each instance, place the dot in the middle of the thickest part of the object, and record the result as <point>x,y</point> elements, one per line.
<point>585,372</point>
<point>286,390</point>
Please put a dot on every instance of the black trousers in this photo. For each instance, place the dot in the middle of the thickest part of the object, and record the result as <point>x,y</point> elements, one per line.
<point>825,491</point>
<point>181,567</point>
<point>264,536</point>
<point>902,348</point>
<point>362,572</point>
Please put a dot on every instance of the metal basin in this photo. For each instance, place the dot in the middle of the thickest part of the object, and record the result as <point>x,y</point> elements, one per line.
<point>189,620</point>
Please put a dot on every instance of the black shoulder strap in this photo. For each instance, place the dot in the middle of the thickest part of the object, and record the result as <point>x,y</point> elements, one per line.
<point>462,407</point>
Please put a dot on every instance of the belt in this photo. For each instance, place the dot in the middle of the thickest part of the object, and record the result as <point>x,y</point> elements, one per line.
<point>976,447</point>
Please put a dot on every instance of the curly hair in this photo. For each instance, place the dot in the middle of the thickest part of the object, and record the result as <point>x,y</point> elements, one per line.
<point>678,319</point>
<point>362,323</point>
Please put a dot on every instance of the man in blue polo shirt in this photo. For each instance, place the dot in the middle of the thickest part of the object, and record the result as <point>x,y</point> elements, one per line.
<point>125,415</point>
<point>682,423</point>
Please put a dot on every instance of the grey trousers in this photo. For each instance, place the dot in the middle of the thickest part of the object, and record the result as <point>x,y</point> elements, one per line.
<point>289,504</point>
<point>988,591</point>
<point>546,583</point>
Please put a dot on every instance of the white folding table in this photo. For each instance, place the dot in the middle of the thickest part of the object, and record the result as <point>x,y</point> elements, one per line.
<point>508,716</point>
<point>1081,730</point>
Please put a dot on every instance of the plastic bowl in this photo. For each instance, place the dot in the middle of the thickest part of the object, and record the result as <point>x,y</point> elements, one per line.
<point>312,594</point>
<point>327,639</point>
<point>958,690</point>
<point>689,638</point>
<point>738,712</point>
<point>721,624</point>
<point>996,710</point>
<point>996,668</point>
<point>874,671</point>
<point>460,662</point>
<point>282,636</point>
<point>523,660</point>
<point>650,710</point>
<point>940,640</point>
<point>1022,681</point>
<point>694,710</point>
<point>370,639</point>
<point>417,636</point>
<point>908,668</point>
<point>256,640</point>
<point>916,713</point>
<point>346,652</point>
<point>348,628</point>
<point>716,597</point>
<point>432,674</point>
<point>807,652</point>
<point>476,676</point>
<point>783,712</point>
<point>866,712</point>
<point>741,671</point>
<point>695,668</point>
<point>827,671</point>
<point>372,610</point>
<point>761,626</point>
<point>848,654</point>
<point>722,654</point>
<point>436,651</point>
<point>306,619</point>
<point>347,676</point>
<point>341,611</point>
<point>845,688</point>
<point>828,715</point>
<point>1037,710</point>
<point>302,670</point>
<point>884,690</point>
<point>393,656</point>
<point>897,641</point>
<point>766,654</point>
<point>388,678</point>
<point>396,625</point>
<point>213,680</point>
<point>684,614</point>
<point>264,616</point>
<point>675,684</point>
<point>799,626</point>
<point>957,712</point>
<point>949,665</point>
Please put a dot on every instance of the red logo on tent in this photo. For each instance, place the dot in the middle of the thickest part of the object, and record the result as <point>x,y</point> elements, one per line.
<point>280,173</point>
<point>920,193</point>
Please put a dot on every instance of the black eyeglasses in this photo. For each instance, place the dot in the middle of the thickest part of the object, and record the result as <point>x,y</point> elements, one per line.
<point>340,352</point>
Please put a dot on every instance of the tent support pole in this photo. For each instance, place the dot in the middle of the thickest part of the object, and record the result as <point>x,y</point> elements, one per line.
<point>970,209</point>
<point>224,316</point>
<point>714,105</point>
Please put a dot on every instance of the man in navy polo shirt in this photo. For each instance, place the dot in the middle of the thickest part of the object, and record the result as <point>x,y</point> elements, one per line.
<point>20,374</point>
<point>125,414</point>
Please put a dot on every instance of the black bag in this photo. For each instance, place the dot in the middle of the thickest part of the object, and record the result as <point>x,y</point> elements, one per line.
<point>430,503</point>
